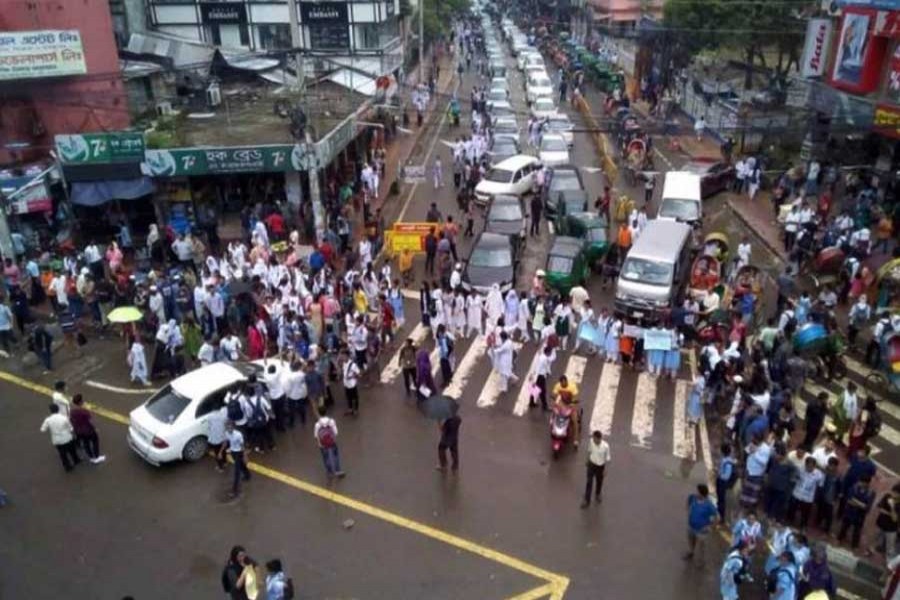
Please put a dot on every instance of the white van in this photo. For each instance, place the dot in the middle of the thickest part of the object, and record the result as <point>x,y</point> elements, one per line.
<point>681,198</point>
<point>512,177</point>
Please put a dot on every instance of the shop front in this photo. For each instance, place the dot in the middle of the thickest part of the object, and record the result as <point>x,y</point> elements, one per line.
<point>35,208</point>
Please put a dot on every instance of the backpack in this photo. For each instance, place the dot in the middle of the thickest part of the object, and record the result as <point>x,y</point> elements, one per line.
<point>234,410</point>
<point>288,589</point>
<point>772,579</point>
<point>562,325</point>
<point>742,572</point>
<point>326,436</point>
<point>257,414</point>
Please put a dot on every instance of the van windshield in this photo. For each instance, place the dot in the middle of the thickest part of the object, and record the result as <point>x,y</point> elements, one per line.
<point>499,175</point>
<point>646,271</point>
<point>683,210</point>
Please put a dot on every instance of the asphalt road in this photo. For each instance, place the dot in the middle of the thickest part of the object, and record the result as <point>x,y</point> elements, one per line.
<point>507,523</point>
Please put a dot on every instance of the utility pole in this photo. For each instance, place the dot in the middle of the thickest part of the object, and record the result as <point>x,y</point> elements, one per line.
<point>421,41</point>
<point>311,156</point>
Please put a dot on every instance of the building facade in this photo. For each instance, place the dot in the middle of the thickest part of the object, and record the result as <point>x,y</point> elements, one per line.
<point>623,15</point>
<point>368,29</point>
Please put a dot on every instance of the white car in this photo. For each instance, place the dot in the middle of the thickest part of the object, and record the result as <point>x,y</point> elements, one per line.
<point>543,108</point>
<point>528,57</point>
<point>560,123</point>
<point>500,83</point>
<point>173,424</point>
<point>553,150</point>
<point>532,60</point>
<point>512,177</point>
<point>538,85</point>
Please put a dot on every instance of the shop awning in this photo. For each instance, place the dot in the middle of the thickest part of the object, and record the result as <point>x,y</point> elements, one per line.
<point>354,81</point>
<point>98,193</point>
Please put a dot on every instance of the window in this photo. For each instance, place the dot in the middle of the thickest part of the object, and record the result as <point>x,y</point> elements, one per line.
<point>212,403</point>
<point>275,36</point>
<point>244,34</point>
<point>167,405</point>
<point>646,271</point>
<point>374,36</point>
<point>490,257</point>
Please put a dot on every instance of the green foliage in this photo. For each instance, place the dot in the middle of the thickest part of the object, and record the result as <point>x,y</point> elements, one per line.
<point>439,14</point>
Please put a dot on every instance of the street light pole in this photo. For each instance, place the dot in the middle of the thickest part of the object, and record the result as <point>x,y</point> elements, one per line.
<point>312,159</point>
<point>421,41</point>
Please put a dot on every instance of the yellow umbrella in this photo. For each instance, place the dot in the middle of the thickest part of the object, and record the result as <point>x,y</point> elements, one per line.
<point>125,314</point>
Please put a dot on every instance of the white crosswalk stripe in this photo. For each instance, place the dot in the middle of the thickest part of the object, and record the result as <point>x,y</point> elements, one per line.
<point>392,370</point>
<point>465,367</point>
<point>682,433</point>
<point>644,410</point>
<point>605,399</point>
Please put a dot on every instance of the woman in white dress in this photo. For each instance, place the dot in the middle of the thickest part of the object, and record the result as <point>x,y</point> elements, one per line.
<point>474,316</point>
<point>503,361</point>
<point>612,340</point>
<point>494,305</point>
<point>459,315</point>
<point>511,312</point>
<point>137,360</point>
<point>524,316</point>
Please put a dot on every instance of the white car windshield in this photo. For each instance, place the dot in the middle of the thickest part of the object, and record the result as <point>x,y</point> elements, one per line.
<point>499,176</point>
<point>646,271</point>
<point>505,212</point>
<point>679,209</point>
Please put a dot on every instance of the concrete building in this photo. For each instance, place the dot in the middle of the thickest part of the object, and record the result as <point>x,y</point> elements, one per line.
<point>623,15</point>
<point>368,30</point>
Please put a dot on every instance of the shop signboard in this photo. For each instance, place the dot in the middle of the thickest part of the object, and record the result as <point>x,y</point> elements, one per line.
<point>46,53</point>
<point>879,4</point>
<point>327,23</point>
<point>409,236</point>
<point>860,53</point>
<point>224,13</point>
<point>27,195</point>
<point>815,50</point>
<point>887,120</point>
<point>179,162</point>
<point>97,148</point>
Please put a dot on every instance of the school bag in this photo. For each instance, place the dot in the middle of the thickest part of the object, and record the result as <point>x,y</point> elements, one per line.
<point>326,436</point>
<point>562,325</point>
<point>257,413</point>
<point>288,589</point>
<point>772,579</point>
<point>234,410</point>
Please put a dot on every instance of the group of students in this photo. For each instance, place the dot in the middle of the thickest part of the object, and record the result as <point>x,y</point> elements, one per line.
<point>71,429</point>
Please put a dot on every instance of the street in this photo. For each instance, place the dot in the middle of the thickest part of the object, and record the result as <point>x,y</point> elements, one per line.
<point>507,525</point>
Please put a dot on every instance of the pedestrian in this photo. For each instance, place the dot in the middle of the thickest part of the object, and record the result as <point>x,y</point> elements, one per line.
<point>816,575</point>
<point>726,478</point>
<point>85,432</point>
<point>234,445</point>
<point>502,356</point>
<point>542,370</point>
<point>231,573</point>
<point>425,386</point>
<point>216,435</point>
<point>274,379</point>
<point>444,341</point>
<point>700,127</point>
<point>437,173</point>
<point>258,411</point>
<point>278,586</point>
<point>350,373</point>
<point>6,327</point>
<point>702,515</point>
<point>808,481</point>
<point>325,432</point>
<point>41,343</point>
<point>831,487</point>
<point>597,459</point>
<point>782,581</point>
<point>886,522</point>
<point>649,186</point>
<point>858,501</point>
<point>735,571</point>
<point>449,441</point>
<point>249,579</point>
<point>316,390</point>
<point>62,436</point>
<point>137,361</point>
<point>296,393</point>
<point>537,208</point>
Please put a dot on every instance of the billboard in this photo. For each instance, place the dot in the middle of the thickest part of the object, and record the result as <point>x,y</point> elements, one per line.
<point>815,49</point>
<point>34,54</point>
<point>860,53</point>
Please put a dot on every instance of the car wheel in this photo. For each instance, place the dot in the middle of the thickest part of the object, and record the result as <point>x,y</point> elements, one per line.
<point>195,449</point>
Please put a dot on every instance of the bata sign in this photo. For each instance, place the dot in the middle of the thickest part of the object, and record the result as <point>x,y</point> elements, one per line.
<point>32,54</point>
<point>815,50</point>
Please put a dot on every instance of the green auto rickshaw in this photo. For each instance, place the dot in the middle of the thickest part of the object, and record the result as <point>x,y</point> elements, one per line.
<point>593,231</point>
<point>567,265</point>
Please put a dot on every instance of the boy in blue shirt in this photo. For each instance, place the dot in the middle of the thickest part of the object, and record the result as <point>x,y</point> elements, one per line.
<point>702,515</point>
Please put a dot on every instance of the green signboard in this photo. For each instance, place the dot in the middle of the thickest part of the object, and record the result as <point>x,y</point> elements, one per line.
<point>96,148</point>
<point>211,161</point>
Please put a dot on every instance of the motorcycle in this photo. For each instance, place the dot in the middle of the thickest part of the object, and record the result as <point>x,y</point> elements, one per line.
<point>560,427</point>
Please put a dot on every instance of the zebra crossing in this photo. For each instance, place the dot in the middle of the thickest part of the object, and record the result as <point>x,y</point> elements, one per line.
<point>627,406</point>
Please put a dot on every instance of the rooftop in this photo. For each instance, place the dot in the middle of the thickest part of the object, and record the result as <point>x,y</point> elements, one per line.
<point>246,116</point>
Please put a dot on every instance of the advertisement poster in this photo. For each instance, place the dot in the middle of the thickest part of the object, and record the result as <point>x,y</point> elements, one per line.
<point>852,47</point>
<point>893,85</point>
<point>32,54</point>
<point>815,49</point>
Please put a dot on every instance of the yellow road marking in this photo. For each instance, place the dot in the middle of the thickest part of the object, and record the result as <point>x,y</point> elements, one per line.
<point>555,586</point>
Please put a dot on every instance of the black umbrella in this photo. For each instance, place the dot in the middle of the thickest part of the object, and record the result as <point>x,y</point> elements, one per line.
<point>439,407</point>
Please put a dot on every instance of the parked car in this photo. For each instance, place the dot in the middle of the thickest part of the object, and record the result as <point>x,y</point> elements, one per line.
<point>506,126</point>
<point>498,98</point>
<point>538,85</point>
<point>506,216</point>
<point>559,123</point>
<point>173,424</point>
<point>553,150</point>
<point>543,108</point>
<point>493,260</point>
<point>528,57</point>
<point>512,177</point>
<point>715,175</point>
<point>564,184</point>
<point>567,264</point>
<point>503,148</point>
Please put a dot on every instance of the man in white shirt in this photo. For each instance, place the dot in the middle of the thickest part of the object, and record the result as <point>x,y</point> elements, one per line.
<point>743,251</point>
<point>199,301</point>
<point>542,373</point>
<point>274,379</point>
<point>207,353</point>
<point>359,340</point>
<point>791,225</point>
<point>94,260</point>
<point>325,432</point>
<point>296,393</point>
<point>350,373</point>
<point>231,347</point>
<point>234,445</point>
<point>456,277</point>
<point>60,399</point>
<point>184,251</point>
<point>850,402</point>
<point>215,304</point>
<point>809,479</point>
<point>58,284</point>
<point>62,436</point>
<point>597,459</point>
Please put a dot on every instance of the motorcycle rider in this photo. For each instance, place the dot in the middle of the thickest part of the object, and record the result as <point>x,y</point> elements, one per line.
<point>565,394</point>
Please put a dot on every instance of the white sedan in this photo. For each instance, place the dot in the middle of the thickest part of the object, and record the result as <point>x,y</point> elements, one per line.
<point>543,108</point>
<point>173,424</point>
<point>553,150</point>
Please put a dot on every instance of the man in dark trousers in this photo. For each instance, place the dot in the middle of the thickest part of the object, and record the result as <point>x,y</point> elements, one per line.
<point>537,207</point>
<point>598,457</point>
<point>430,251</point>
<point>449,441</point>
